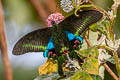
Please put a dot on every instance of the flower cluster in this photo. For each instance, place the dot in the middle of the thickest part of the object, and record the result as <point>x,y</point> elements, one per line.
<point>57,17</point>
<point>66,5</point>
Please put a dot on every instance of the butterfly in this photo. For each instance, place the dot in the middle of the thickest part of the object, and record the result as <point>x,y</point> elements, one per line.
<point>51,40</point>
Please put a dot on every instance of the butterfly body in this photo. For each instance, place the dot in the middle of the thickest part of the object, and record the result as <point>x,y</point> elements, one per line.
<point>60,39</point>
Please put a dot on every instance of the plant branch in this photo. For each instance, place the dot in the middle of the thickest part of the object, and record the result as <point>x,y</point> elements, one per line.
<point>88,42</point>
<point>3,45</point>
<point>105,47</point>
<point>41,11</point>
<point>110,71</point>
<point>51,6</point>
<point>117,63</point>
<point>100,9</point>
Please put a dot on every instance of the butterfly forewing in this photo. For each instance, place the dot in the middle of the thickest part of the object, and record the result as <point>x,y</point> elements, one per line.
<point>35,41</point>
<point>78,24</point>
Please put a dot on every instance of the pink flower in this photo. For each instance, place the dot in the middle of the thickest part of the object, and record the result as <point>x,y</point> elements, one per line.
<point>66,51</point>
<point>57,17</point>
<point>77,42</point>
<point>74,46</point>
<point>54,54</point>
<point>50,53</point>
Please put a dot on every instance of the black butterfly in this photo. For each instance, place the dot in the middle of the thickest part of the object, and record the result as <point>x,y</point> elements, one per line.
<point>58,35</point>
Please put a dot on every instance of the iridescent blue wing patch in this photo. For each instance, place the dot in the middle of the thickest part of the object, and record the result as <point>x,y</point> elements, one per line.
<point>70,35</point>
<point>50,46</point>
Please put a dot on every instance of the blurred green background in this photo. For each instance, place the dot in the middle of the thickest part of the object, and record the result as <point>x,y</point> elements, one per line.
<point>21,17</point>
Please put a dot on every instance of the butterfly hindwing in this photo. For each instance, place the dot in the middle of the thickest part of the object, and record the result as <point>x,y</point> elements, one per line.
<point>78,24</point>
<point>35,41</point>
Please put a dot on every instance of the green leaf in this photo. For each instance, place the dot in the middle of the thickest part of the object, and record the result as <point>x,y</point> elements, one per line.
<point>93,27</point>
<point>96,77</point>
<point>96,27</point>
<point>48,68</point>
<point>81,76</point>
<point>91,66</point>
<point>93,52</point>
<point>106,24</point>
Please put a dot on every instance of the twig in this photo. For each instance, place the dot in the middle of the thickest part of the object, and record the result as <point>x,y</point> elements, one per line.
<point>42,13</point>
<point>117,63</point>
<point>100,9</point>
<point>88,42</point>
<point>88,34</point>
<point>3,44</point>
<point>110,71</point>
<point>51,6</point>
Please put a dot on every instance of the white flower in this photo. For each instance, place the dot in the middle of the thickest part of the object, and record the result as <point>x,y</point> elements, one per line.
<point>66,5</point>
<point>103,55</point>
<point>113,45</point>
<point>78,2</point>
<point>111,14</point>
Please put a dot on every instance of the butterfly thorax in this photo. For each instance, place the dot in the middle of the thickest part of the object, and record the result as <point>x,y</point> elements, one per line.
<point>59,38</point>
